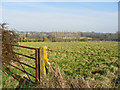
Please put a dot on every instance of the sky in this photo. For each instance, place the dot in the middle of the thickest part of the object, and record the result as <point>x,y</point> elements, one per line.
<point>61,16</point>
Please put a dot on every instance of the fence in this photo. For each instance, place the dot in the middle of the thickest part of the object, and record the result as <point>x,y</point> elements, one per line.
<point>37,64</point>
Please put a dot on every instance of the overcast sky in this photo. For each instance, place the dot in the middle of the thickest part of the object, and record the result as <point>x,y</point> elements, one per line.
<point>61,16</point>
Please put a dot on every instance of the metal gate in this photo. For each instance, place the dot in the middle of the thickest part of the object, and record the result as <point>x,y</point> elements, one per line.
<point>36,68</point>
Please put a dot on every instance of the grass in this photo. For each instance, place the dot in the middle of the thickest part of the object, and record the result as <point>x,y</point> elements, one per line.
<point>95,63</point>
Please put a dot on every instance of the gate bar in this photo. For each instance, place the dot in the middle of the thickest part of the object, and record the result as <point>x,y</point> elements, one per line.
<point>25,64</point>
<point>21,70</point>
<point>37,70</point>
<point>23,46</point>
<point>10,74</point>
<point>29,80</point>
<point>24,55</point>
<point>39,63</point>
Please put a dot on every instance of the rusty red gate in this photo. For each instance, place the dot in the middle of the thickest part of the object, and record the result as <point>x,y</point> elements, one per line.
<point>37,64</point>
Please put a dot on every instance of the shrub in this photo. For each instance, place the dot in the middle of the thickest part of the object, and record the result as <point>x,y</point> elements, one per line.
<point>8,37</point>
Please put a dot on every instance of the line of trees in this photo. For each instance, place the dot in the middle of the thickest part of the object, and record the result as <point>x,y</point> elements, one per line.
<point>68,36</point>
<point>101,36</point>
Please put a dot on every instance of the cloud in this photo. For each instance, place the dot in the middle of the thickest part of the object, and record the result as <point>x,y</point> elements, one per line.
<point>0,13</point>
<point>60,0</point>
<point>55,19</point>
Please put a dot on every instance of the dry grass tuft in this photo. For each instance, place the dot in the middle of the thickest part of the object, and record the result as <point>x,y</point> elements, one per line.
<point>55,79</point>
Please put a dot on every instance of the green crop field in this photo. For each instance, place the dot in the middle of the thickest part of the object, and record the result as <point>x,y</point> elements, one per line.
<point>96,62</point>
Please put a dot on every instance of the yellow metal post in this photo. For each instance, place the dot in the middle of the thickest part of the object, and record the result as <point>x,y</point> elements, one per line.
<point>43,59</point>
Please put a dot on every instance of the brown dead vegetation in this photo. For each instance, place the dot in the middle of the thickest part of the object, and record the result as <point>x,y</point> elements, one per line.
<point>8,37</point>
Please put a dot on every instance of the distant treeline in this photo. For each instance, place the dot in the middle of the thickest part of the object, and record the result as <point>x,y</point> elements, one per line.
<point>101,36</point>
<point>67,36</point>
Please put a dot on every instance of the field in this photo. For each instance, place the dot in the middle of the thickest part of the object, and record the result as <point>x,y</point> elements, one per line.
<point>96,62</point>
